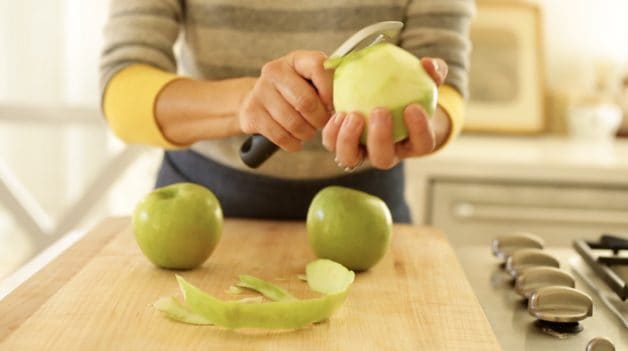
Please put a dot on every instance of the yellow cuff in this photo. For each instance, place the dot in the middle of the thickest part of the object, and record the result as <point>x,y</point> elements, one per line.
<point>450,100</point>
<point>129,104</point>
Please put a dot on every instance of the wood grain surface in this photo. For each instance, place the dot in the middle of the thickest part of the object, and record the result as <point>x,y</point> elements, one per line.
<point>98,296</point>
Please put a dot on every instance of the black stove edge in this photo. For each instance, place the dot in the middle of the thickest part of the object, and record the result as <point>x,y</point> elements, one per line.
<point>607,274</point>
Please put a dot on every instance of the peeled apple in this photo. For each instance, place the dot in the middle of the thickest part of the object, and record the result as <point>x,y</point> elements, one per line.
<point>382,75</point>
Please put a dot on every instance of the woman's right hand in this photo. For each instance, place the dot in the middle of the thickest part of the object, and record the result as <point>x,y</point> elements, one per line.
<point>291,100</point>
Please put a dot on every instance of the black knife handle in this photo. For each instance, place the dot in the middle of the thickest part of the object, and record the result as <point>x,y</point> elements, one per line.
<point>256,150</point>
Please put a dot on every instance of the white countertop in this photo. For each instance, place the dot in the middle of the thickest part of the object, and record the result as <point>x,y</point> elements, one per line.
<point>531,158</point>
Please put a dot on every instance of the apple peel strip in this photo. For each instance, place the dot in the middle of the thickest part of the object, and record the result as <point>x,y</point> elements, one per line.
<point>175,309</point>
<point>324,276</point>
<point>268,289</point>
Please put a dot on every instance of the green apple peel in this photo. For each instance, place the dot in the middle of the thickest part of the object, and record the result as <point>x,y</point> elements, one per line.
<point>286,312</point>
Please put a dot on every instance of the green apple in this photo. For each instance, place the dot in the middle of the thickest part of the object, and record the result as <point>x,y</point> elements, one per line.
<point>178,226</point>
<point>349,226</point>
<point>382,75</point>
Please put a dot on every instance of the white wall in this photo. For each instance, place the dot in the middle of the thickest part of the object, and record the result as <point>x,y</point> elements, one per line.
<point>83,35</point>
<point>50,50</point>
<point>581,33</point>
<point>49,54</point>
<point>31,38</point>
<point>49,57</point>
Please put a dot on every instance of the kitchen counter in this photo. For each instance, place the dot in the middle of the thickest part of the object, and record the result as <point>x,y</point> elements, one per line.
<point>559,158</point>
<point>97,295</point>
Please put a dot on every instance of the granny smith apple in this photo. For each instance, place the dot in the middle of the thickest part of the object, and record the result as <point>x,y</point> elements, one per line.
<point>349,226</point>
<point>382,75</point>
<point>178,226</point>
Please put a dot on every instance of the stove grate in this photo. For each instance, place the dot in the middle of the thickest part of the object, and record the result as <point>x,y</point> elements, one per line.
<point>602,256</point>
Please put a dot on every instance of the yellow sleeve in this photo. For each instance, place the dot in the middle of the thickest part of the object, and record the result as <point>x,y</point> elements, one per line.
<point>129,104</point>
<point>452,102</point>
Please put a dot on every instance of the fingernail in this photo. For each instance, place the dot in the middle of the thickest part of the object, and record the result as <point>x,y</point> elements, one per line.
<point>354,120</point>
<point>339,117</point>
<point>440,67</point>
<point>415,110</point>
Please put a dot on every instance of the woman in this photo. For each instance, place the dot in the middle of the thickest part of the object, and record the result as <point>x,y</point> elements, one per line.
<point>256,67</point>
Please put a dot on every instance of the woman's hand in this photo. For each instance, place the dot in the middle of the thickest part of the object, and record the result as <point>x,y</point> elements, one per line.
<point>291,100</point>
<point>342,133</point>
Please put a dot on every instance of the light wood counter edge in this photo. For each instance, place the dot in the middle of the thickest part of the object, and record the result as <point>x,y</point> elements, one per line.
<point>26,299</point>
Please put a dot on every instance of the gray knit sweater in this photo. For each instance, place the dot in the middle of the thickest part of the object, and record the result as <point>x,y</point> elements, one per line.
<point>232,38</point>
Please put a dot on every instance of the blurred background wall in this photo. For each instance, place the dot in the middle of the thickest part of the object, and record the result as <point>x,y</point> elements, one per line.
<point>50,48</point>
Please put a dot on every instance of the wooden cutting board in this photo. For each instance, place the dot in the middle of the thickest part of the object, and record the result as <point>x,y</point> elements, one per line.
<point>98,295</point>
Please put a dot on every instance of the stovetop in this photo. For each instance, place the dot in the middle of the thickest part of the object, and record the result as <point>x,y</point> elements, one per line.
<point>508,314</point>
<point>608,258</point>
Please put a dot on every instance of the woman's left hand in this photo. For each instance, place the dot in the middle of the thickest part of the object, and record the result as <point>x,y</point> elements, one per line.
<point>342,132</point>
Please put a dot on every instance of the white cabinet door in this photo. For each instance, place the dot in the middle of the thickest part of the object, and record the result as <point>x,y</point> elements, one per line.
<point>472,213</point>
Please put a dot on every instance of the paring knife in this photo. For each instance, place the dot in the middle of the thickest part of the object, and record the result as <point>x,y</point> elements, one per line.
<point>256,149</point>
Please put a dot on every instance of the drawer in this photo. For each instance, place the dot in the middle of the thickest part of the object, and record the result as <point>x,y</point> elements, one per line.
<point>472,213</point>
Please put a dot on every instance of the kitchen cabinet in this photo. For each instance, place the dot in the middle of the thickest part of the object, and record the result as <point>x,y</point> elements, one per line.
<point>473,212</point>
<point>480,187</point>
